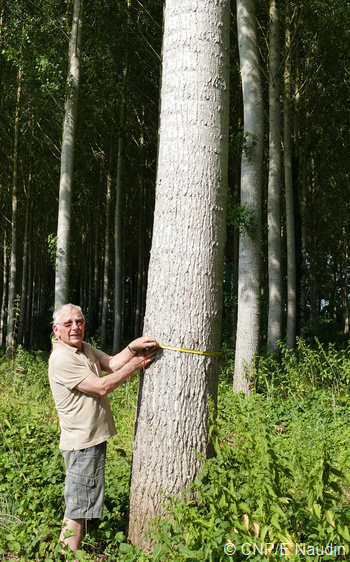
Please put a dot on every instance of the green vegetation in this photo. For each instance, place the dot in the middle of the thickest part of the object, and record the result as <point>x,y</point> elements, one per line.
<point>281,472</point>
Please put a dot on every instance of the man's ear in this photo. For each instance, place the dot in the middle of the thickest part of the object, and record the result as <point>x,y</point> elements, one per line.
<point>55,331</point>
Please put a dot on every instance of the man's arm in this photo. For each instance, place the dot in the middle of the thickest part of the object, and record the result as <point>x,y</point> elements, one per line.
<point>111,364</point>
<point>96,386</point>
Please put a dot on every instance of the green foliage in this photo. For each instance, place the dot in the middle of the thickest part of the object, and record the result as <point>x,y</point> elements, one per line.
<point>265,485</point>
<point>281,472</point>
<point>242,218</point>
<point>243,141</point>
<point>32,468</point>
<point>52,248</point>
<point>307,366</point>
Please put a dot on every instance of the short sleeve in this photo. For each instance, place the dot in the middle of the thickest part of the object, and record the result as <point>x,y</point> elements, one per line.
<point>70,370</point>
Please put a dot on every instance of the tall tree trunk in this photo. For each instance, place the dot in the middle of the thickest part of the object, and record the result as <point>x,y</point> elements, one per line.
<point>141,227</point>
<point>26,335</point>
<point>2,12</point>
<point>236,201</point>
<point>10,338</point>
<point>247,340</point>
<point>104,314</point>
<point>313,244</point>
<point>345,301</point>
<point>4,293</point>
<point>288,180</point>
<point>117,335</point>
<point>26,242</point>
<point>67,159</point>
<point>274,330</point>
<point>184,295</point>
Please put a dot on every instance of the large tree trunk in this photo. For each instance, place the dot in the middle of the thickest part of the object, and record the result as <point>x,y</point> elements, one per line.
<point>184,295</point>
<point>67,159</point>
<point>288,179</point>
<point>10,338</point>
<point>247,340</point>
<point>274,331</point>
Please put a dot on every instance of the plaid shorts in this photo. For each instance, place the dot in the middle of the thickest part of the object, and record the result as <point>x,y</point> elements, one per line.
<point>85,482</point>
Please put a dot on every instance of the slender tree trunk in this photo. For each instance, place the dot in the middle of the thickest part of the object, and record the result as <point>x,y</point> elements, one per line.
<point>288,180</point>
<point>104,314</point>
<point>184,295</point>
<point>345,301</point>
<point>313,245</point>
<point>117,335</point>
<point>236,201</point>
<point>141,226</point>
<point>10,338</point>
<point>2,12</point>
<point>96,290</point>
<point>26,335</point>
<point>274,331</point>
<point>34,308</point>
<point>4,293</point>
<point>248,323</point>
<point>67,159</point>
<point>26,242</point>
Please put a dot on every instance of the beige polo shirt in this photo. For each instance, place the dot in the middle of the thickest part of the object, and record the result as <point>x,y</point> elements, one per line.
<point>85,420</point>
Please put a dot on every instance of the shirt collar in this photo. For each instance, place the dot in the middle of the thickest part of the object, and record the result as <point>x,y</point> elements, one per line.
<point>57,343</point>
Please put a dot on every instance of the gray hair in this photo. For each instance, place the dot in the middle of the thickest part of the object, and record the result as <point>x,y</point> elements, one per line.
<point>57,313</point>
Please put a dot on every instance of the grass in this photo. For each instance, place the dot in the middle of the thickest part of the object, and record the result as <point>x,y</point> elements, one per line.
<point>282,452</point>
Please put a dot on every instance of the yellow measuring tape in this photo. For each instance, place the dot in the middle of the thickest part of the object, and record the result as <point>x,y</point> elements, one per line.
<point>188,350</point>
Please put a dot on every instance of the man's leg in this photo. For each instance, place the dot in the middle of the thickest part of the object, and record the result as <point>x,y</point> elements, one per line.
<point>74,541</point>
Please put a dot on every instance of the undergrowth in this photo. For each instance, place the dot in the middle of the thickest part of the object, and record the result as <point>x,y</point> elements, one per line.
<point>281,473</point>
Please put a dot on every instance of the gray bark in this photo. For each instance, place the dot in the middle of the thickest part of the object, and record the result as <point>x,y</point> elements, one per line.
<point>274,330</point>
<point>4,293</point>
<point>104,313</point>
<point>288,182</point>
<point>247,340</point>
<point>10,337</point>
<point>67,159</point>
<point>137,327</point>
<point>26,242</point>
<point>117,335</point>
<point>184,295</point>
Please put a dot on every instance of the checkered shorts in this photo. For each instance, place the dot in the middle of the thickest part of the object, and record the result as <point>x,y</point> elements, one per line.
<point>85,482</point>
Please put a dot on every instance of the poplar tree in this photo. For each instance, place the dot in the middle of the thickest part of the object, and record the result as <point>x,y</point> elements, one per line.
<point>67,158</point>
<point>248,321</point>
<point>274,330</point>
<point>184,295</point>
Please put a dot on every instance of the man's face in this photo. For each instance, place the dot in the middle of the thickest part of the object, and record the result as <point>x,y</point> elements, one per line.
<point>70,328</point>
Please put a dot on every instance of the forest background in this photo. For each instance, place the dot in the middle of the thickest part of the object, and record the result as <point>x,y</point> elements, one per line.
<point>115,168</point>
<point>124,39</point>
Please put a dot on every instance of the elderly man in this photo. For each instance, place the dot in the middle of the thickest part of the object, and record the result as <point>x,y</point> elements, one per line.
<point>86,421</point>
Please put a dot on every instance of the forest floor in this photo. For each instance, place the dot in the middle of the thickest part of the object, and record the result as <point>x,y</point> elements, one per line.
<point>289,440</point>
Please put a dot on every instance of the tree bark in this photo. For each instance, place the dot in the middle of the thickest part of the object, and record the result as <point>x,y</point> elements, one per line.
<point>67,159</point>
<point>104,314</point>
<point>10,337</point>
<point>4,293</point>
<point>117,335</point>
<point>288,180</point>
<point>26,242</point>
<point>274,330</point>
<point>247,340</point>
<point>184,295</point>
<point>141,228</point>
